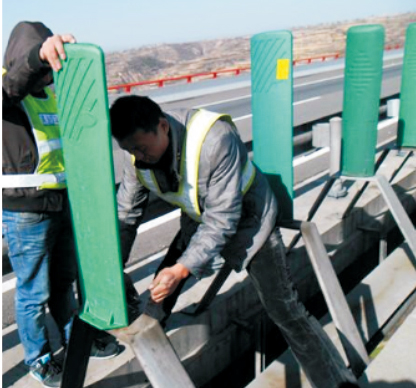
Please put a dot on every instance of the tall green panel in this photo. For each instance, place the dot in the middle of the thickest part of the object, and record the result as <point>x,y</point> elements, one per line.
<point>406,134</point>
<point>84,121</point>
<point>272,108</point>
<point>362,87</point>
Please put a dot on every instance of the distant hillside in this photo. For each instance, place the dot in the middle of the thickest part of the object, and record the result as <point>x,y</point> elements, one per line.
<point>164,60</point>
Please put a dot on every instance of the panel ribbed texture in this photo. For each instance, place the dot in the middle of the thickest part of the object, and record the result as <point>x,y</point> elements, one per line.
<point>272,107</point>
<point>361,74</point>
<point>85,130</point>
<point>76,113</point>
<point>362,87</point>
<point>266,52</point>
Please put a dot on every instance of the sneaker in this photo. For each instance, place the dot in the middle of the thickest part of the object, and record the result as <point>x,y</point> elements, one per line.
<point>104,351</point>
<point>47,371</point>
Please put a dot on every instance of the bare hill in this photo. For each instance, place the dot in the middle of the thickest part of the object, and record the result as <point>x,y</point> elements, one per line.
<point>166,60</point>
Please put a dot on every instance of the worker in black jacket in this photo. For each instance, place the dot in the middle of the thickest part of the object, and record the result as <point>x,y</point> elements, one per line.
<point>36,217</point>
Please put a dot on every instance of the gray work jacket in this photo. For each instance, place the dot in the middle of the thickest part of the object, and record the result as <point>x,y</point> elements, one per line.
<point>233,226</point>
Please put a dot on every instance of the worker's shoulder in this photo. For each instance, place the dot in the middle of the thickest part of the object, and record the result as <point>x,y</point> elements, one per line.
<point>179,115</point>
<point>220,142</point>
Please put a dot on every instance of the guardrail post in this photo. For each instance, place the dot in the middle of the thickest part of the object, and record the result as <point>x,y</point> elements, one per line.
<point>393,107</point>
<point>406,132</point>
<point>83,116</point>
<point>363,75</point>
<point>272,107</point>
<point>335,136</point>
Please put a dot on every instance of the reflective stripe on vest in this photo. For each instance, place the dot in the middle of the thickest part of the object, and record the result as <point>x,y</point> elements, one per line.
<point>187,195</point>
<point>32,180</point>
<point>50,171</point>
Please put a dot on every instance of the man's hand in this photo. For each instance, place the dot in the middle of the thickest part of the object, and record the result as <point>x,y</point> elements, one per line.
<point>166,282</point>
<point>52,50</point>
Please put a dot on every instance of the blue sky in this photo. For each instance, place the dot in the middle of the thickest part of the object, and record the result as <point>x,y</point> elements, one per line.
<point>122,24</point>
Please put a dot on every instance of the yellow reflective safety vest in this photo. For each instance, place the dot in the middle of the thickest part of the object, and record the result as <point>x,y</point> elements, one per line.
<point>187,195</point>
<point>50,171</point>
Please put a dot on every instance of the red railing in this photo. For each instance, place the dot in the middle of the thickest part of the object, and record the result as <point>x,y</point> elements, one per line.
<point>161,82</point>
<point>393,47</point>
<point>322,58</point>
<point>214,74</point>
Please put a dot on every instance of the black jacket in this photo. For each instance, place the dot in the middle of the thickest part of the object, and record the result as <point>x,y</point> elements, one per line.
<point>20,156</point>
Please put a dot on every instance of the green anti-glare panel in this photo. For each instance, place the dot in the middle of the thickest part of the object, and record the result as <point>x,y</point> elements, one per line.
<point>272,107</point>
<point>406,133</point>
<point>84,121</point>
<point>362,87</point>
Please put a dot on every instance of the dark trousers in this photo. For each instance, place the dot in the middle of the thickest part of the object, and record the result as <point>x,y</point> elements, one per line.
<point>269,272</point>
<point>311,346</point>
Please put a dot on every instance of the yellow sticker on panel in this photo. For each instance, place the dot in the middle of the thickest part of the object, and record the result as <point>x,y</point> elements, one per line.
<point>282,70</point>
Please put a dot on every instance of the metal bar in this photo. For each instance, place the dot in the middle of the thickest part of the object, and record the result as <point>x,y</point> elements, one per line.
<point>335,139</point>
<point>324,192</point>
<point>401,166</point>
<point>321,197</point>
<point>78,354</point>
<point>383,248</point>
<point>398,212</point>
<point>260,339</point>
<point>353,202</point>
<point>289,224</point>
<point>358,195</point>
<point>154,351</point>
<point>335,135</point>
<point>335,298</point>
<point>213,289</point>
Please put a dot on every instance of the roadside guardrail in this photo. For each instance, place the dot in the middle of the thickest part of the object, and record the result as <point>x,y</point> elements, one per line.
<point>126,88</point>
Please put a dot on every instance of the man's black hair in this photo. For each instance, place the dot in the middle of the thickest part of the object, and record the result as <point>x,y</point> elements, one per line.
<point>130,113</point>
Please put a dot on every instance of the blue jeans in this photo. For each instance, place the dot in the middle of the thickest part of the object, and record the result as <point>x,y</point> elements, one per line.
<point>311,346</point>
<point>42,254</point>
